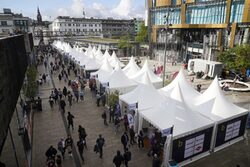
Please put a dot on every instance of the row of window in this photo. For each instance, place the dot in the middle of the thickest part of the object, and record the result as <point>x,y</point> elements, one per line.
<point>211,13</point>
<point>77,24</point>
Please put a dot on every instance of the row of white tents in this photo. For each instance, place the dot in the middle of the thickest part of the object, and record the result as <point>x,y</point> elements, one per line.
<point>200,123</point>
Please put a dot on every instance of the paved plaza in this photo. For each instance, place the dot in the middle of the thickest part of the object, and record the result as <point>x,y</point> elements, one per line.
<point>50,126</point>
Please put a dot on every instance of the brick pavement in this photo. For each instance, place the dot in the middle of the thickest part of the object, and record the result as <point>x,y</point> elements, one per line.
<point>49,128</point>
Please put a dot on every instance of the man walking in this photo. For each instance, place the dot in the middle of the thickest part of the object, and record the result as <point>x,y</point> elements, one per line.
<point>127,157</point>
<point>61,147</point>
<point>104,117</point>
<point>118,159</point>
<point>132,135</point>
<point>80,145</point>
<point>70,118</point>
<point>100,142</point>
<point>125,140</point>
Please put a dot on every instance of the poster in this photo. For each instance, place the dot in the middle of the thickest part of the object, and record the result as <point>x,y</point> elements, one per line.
<point>132,106</point>
<point>232,130</point>
<point>194,145</point>
<point>167,132</point>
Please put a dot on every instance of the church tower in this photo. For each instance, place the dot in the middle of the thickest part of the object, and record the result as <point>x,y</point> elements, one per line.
<point>39,17</point>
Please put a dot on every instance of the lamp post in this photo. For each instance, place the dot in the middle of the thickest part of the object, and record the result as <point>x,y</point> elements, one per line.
<point>165,48</point>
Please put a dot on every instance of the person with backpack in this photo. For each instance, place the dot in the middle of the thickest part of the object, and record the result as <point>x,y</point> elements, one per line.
<point>118,159</point>
<point>51,153</point>
<point>61,147</point>
<point>100,142</point>
<point>69,144</point>
<point>127,157</point>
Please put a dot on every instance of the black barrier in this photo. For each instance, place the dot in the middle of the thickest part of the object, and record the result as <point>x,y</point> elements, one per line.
<point>189,146</point>
<point>230,130</point>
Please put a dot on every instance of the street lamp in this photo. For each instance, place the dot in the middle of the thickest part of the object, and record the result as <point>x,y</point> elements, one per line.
<point>166,22</point>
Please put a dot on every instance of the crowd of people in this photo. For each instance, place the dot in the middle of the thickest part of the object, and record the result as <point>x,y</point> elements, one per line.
<point>72,92</point>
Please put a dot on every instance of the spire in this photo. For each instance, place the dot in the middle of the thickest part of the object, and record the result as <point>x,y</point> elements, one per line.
<point>39,17</point>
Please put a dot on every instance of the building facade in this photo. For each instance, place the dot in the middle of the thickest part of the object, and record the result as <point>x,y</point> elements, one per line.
<point>197,28</point>
<point>12,23</point>
<point>65,25</point>
<point>138,23</point>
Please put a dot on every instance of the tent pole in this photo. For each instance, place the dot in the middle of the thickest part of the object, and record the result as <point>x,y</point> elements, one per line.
<point>213,138</point>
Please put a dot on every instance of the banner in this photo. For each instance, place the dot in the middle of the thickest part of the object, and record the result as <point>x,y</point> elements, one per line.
<point>167,132</point>
<point>130,119</point>
<point>132,106</point>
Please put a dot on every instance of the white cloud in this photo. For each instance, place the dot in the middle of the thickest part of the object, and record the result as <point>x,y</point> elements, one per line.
<point>124,9</point>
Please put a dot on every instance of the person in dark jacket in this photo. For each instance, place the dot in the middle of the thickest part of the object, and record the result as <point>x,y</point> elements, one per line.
<point>132,135</point>
<point>125,140</point>
<point>100,143</point>
<point>51,152</point>
<point>80,145</point>
<point>118,159</point>
<point>70,118</point>
<point>127,157</point>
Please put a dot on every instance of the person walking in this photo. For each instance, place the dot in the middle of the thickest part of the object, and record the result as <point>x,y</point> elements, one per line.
<point>118,159</point>
<point>70,98</point>
<point>156,161</point>
<point>69,144</point>
<point>70,118</point>
<point>100,143</point>
<point>125,121</point>
<point>103,98</point>
<point>51,152</point>
<point>82,135</point>
<point>104,117</point>
<point>140,139</point>
<point>132,135</point>
<point>65,91</point>
<point>98,98</point>
<point>61,147</point>
<point>124,140</point>
<point>127,157</point>
<point>51,102</point>
<point>117,124</point>
<point>80,145</point>
<point>62,105</point>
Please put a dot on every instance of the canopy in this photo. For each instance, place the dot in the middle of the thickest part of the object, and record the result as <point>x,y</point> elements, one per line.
<point>105,70</point>
<point>131,68</point>
<point>157,81</point>
<point>106,55</point>
<point>174,112</point>
<point>91,64</point>
<point>118,80</point>
<point>213,104</point>
<point>114,60</point>
<point>186,88</point>
<point>143,94</point>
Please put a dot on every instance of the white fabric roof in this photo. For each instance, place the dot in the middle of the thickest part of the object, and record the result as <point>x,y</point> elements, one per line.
<point>186,88</point>
<point>145,69</point>
<point>131,68</point>
<point>119,80</point>
<point>104,71</point>
<point>91,64</point>
<point>106,55</point>
<point>213,104</point>
<point>175,112</point>
<point>145,94</point>
<point>114,60</point>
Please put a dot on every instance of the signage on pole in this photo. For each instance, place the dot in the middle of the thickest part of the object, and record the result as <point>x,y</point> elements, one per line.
<point>133,106</point>
<point>167,131</point>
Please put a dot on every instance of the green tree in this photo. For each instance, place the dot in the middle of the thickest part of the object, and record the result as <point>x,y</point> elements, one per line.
<point>31,88</point>
<point>124,44</point>
<point>237,58</point>
<point>142,36</point>
<point>113,98</point>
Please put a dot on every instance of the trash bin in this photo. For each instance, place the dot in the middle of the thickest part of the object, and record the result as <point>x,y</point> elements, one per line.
<point>172,163</point>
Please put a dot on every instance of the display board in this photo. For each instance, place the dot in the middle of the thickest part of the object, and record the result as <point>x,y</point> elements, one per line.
<point>191,145</point>
<point>230,130</point>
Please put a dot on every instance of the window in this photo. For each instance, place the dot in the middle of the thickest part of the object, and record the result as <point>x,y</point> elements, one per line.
<point>4,23</point>
<point>69,24</point>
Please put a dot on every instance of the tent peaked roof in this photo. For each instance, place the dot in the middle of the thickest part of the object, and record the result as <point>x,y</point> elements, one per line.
<point>185,87</point>
<point>106,66</point>
<point>145,80</point>
<point>104,71</point>
<point>118,79</point>
<point>176,94</point>
<point>131,64</point>
<point>106,54</point>
<point>94,49</point>
<point>143,94</point>
<point>114,61</point>
<point>145,69</point>
<point>213,104</point>
<point>174,113</point>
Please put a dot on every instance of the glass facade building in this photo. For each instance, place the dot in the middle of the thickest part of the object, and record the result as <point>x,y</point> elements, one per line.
<point>213,25</point>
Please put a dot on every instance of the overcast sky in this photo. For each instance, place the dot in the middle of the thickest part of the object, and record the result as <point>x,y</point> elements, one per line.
<point>50,9</point>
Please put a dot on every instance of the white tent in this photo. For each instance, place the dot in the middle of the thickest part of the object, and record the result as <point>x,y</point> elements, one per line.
<point>94,50</point>
<point>119,81</point>
<point>143,95</point>
<point>104,71</point>
<point>157,81</point>
<point>189,126</point>
<point>188,91</point>
<point>114,60</point>
<point>131,68</point>
<point>213,104</point>
<point>106,55</point>
<point>99,55</point>
<point>91,64</point>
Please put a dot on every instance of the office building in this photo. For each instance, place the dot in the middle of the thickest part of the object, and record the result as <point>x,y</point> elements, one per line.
<point>197,28</point>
